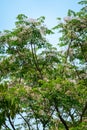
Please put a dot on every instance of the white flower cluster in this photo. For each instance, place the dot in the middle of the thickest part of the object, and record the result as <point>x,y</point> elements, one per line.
<point>83,22</point>
<point>67,18</point>
<point>3,34</point>
<point>13,38</point>
<point>31,20</point>
<point>26,27</point>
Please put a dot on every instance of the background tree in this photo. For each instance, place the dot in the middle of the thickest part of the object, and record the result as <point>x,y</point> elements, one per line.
<point>42,87</point>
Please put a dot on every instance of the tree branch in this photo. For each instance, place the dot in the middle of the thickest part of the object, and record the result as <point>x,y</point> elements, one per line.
<point>5,125</point>
<point>9,119</point>
<point>60,117</point>
<point>25,121</point>
<point>35,60</point>
<point>83,112</point>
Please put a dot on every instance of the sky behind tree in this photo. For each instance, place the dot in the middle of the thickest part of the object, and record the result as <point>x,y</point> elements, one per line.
<point>51,9</point>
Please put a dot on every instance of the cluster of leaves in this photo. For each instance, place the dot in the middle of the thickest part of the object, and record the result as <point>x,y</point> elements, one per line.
<point>41,87</point>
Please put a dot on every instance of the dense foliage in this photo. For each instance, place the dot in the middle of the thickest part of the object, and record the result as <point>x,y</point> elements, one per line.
<point>43,87</point>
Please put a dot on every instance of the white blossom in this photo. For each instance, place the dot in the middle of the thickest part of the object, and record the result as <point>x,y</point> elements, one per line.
<point>83,26</point>
<point>13,38</point>
<point>3,34</point>
<point>77,18</point>
<point>31,20</point>
<point>27,27</point>
<point>67,18</point>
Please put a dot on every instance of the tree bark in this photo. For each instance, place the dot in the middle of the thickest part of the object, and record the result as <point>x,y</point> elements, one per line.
<point>60,117</point>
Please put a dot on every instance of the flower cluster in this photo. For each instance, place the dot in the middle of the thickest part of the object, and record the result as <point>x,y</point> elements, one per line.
<point>67,18</point>
<point>13,38</point>
<point>31,20</point>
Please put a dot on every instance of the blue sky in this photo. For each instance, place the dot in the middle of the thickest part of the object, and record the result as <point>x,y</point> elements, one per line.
<point>51,9</point>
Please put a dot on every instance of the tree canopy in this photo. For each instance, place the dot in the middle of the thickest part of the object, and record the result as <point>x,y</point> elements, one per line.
<point>43,87</point>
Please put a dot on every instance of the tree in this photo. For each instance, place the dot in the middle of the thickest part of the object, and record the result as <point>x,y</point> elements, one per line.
<point>73,40</point>
<point>41,86</point>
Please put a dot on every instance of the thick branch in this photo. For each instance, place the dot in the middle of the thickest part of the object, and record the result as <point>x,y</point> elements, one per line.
<point>68,50</point>
<point>82,50</point>
<point>83,112</point>
<point>11,122</point>
<point>60,117</point>
<point>35,60</point>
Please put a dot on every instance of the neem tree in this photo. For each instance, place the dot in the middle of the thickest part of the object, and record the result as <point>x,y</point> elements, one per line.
<point>41,87</point>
